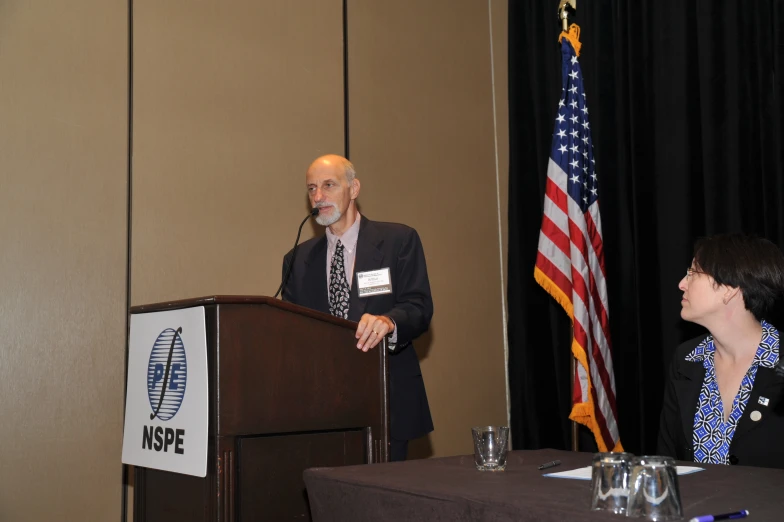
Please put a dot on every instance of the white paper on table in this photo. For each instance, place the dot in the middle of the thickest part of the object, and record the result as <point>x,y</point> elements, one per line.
<point>585,473</point>
<point>688,470</point>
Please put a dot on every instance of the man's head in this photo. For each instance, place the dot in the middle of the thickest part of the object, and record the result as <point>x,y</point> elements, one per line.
<point>333,189</point>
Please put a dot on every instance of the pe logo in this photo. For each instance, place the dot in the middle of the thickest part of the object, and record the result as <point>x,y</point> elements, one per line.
<point>167,374</point>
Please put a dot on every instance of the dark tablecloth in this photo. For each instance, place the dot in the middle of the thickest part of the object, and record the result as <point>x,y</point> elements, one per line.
<point>452,489</point>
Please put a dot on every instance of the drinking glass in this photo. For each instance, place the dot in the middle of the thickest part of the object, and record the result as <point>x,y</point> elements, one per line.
<point>653,489</point>
<point>490,445</point>
<point>610,481</point>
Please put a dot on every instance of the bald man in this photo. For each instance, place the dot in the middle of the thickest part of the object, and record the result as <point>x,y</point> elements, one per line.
<point>329,274</point>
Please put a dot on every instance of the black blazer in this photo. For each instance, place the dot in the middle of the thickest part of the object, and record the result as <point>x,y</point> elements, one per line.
<point>755,443</point>
<point>410,305</point>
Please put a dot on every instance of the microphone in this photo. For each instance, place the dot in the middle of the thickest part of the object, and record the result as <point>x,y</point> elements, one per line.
<point>314,212</point>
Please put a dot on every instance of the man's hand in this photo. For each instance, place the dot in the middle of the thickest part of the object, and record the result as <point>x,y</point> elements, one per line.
<point>371,329</point>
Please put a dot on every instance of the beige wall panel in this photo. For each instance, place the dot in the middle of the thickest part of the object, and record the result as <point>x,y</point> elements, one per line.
<point>231,102</point>
<point>63,230</point>
<point>422,137</point>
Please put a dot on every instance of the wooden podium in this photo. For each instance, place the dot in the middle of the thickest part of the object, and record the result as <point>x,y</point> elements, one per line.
<point>288,390</point>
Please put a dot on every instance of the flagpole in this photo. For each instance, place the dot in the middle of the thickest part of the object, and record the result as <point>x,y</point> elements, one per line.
<point>572,371</point>
<point>565,8</point>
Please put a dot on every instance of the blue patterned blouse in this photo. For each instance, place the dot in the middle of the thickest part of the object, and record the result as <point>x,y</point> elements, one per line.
<point>712,436</point>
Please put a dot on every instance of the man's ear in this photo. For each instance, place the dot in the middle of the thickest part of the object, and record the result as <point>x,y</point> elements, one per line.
<point>355,186</point>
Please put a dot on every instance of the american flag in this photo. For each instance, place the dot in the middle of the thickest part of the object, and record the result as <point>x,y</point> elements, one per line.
<point>570,261</point>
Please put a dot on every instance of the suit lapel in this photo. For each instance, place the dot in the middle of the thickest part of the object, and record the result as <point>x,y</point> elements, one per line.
<point>687,389</point>
<point>768,385</point>
<point>316,276</point>
<point>369,257</point>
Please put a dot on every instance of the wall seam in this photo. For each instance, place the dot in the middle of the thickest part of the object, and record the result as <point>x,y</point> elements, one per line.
<point>345,82</point>
<point>129,209</point>
<point>498,211</point>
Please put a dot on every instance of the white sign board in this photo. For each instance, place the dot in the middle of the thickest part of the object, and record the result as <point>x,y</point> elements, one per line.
<point>166,411</point>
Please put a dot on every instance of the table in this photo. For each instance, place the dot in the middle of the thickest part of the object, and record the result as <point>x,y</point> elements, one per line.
<point>451,489</point>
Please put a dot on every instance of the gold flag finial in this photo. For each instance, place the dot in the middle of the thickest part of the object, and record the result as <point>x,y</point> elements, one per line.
<point>566,8</point>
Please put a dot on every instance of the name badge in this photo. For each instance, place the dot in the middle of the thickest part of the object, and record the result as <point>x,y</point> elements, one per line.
<point>374,282</point>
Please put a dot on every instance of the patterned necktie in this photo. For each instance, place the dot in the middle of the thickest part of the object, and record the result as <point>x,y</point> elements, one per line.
<point>338,287</point>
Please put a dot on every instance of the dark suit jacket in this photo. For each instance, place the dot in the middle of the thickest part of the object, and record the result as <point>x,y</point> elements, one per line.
<point>379,245</point>
<point>755,443</point>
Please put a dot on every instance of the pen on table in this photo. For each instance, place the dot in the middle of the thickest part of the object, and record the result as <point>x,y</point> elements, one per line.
<point>725,516</point>
<point>550,464</point>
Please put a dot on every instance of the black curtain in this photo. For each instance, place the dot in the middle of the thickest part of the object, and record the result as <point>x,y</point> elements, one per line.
<point>685,101</point>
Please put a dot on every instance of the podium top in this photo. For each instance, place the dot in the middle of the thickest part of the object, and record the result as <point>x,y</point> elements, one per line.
<point>241,300</point>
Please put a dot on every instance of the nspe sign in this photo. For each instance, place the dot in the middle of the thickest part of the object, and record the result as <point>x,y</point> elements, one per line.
<point>166,405</point>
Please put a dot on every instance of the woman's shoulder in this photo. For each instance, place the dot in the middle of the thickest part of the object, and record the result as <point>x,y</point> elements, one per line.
<point>686,347</point>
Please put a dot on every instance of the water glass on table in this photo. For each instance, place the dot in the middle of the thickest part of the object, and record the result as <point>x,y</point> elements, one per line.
<point>653,489</point>
<point>490,446</point>
<point>610,474</point>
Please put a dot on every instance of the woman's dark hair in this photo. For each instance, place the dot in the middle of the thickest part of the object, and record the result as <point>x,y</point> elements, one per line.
<point>753,264</point>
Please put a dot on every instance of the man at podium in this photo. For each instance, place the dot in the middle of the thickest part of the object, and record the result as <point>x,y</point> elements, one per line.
<point>373,273</point>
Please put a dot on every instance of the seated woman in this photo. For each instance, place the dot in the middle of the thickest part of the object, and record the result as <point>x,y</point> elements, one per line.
<point>724,401</point>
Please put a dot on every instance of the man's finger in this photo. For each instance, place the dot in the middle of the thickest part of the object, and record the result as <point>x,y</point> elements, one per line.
<point>371,342</point>
<point>364,337</point>
<point>360,330</point>
<point>381,327</point>
<point>362,326</point>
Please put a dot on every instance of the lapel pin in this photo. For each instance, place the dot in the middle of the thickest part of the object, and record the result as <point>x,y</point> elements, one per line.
<point>763,400</point>
<point>755,415</point>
